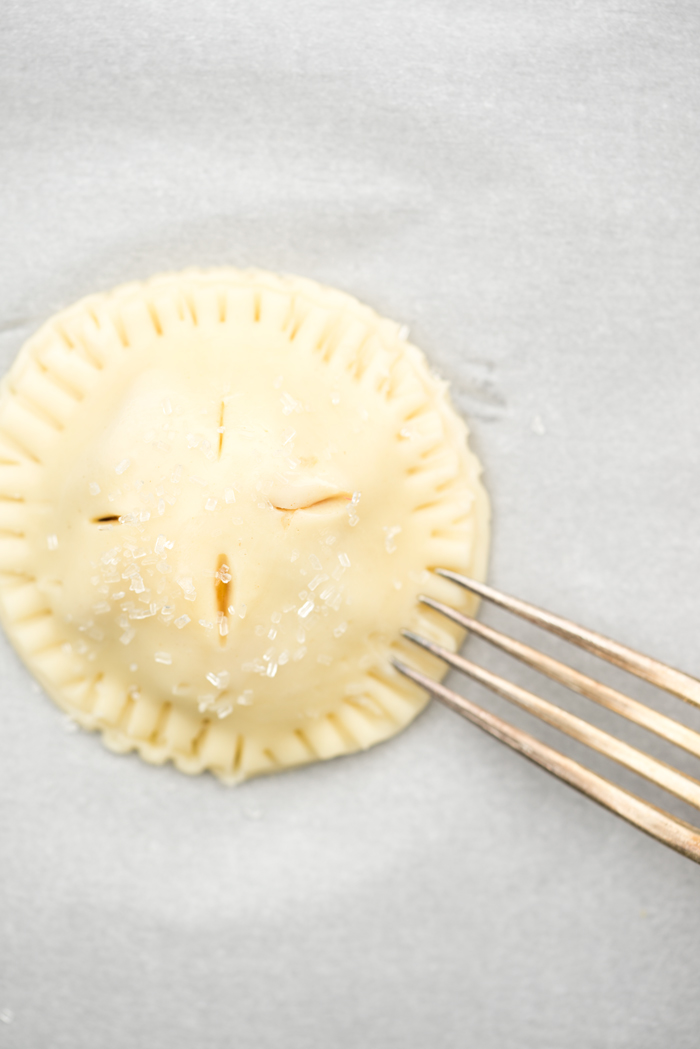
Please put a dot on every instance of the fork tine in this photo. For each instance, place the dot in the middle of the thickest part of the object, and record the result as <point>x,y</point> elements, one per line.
<point>671,680</point>
<point>605,696</point>
<point>684,787</point>
<point>654,821</point>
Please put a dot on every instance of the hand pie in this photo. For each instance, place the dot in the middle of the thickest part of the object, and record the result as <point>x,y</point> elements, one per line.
<point>221,493</point>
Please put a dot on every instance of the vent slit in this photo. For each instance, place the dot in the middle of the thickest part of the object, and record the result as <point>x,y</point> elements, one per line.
<point>223,596</point>
<point>222,410</point>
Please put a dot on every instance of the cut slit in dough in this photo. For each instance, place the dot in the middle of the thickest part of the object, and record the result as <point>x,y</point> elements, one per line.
<point>221,494</point>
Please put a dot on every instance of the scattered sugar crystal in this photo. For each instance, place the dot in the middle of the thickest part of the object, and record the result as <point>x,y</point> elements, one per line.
<point>181,621</point>
<point>229,495</point>
<point>295,555</point>
<point>231,610</point>
<point>271,669</point>
<point>390,534</point>
<point>163,657</point>
<point>283,658</point>
<point>288,436</point>
<point>224,574</point>
<point>340,629</point>
<point>330,540</point>
<point>223,627</point>
<point>128,635</point>
<point>144,516</point>
<point>301,635</point>
<point>211,503</point>
<point>288,608</point>
<point>303,594</point>
<point>272,633</point>
<point>299,654</point>
<point>223,710</point>
<point>246,697</point>
<point>275,617</point>
<point>122,466</point>
<point>344,560</point>
<point>242,611</point>
<point>166,406</point>
<point>160,544</point>
<point>52,542</point>
<point>306,609</point>
<point>94,488</point>
<point>317,580</point>
<point>315,563</point>
<point>335,398</point>
<point>161,506</point>
<point>118,595</point>
<point>192,440</point>
<point>198,480</point>
<point>141,613</point>
<point>219,681</point>
<point>289,404</point>
<point>101,608</point>
<point>259,630</point>
<point>205,623</point>
<point>176,475</point>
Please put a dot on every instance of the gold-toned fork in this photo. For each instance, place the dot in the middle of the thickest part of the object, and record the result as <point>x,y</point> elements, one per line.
<point>655,821</point>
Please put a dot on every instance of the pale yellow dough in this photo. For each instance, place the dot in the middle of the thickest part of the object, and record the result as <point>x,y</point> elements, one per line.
<point>220,495</point>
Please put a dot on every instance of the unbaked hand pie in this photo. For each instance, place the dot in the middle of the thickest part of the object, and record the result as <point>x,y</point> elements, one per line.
<point>221,493</point>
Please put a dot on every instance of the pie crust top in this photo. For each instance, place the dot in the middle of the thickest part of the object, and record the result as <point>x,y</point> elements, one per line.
<point>221,494</point>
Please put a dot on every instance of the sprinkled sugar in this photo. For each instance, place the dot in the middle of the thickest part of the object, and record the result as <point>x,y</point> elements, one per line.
<point>52,542</point>
<point>94,488</point>
<point>181,621</point>
<point>390,534</point>
<point>121,467</point>
<point>163,657</point>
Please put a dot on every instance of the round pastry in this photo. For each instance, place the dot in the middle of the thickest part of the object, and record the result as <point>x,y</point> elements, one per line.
<point>221,494</point>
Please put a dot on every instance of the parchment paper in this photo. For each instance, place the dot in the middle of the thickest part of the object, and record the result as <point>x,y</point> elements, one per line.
<point>518,182</point>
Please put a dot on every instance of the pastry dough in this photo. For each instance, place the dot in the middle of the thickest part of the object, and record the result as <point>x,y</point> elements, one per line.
<point>220,495</point>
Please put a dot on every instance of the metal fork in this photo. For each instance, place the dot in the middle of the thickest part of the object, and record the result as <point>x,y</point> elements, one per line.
<point>659,824</point>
